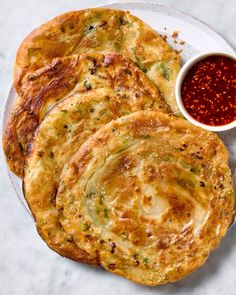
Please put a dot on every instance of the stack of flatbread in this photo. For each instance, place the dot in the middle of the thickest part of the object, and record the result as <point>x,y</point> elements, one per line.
<point>111,174</point>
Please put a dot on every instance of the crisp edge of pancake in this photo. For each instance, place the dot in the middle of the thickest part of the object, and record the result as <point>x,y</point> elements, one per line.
<point>104,134</point>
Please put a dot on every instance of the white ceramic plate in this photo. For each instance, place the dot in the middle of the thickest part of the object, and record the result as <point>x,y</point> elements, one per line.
<point>198,37</point>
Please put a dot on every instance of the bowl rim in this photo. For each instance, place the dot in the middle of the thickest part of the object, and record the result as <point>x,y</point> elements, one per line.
<point>178,85</point>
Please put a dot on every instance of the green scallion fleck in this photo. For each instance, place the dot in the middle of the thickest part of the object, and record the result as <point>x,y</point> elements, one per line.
<point>105,213</point>
<point>90,195</point>
<point>87,85</point>
<point>164,70</point>
<point>64,111</point>
<point>145,136</point>
<point>101,199</point>
<point>85,226</point>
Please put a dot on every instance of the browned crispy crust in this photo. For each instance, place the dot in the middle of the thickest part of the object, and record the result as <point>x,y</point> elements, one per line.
<point>155,193</point>
<point>43,54</point>
<point>73,252</point>
<point>64,129</point>
<point>61,78</point>
<point>102,31</point>
<point>66,249</point>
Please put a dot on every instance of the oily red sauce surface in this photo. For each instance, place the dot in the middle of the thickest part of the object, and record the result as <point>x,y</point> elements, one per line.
<point>209,90</point>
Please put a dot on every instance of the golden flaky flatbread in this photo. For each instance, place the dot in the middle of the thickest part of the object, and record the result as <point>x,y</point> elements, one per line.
<point>102,31</point>
<point>63,77</point>
<point>67,125</point>
<point>150,195</point>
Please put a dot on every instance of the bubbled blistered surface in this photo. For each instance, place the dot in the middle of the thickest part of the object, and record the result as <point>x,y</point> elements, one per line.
<point>60,79</point>
<point>35,263</point>
<point>66,126</point>
<point>149,195</point>
<point>45,70</point>
<point>104,31</point>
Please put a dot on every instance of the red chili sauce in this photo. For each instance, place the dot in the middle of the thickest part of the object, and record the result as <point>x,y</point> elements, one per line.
<point>208,90</point>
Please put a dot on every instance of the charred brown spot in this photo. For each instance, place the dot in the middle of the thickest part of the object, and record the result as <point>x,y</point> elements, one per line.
<point>147,200</point>
<point>122,21</point>
<point>32,78</point>
<point>54,194</point>
<point>90,238</point>
<point>30,112</point>
<point>221,186</point>
<point>92,71</point>
<point>103,24</point>
<point>202,184</point>
<point>71,26</point>
<point>69,239</point>
<point>128,72</point>
<point>40,154</point>
<point>149,234</point>
<point>136,258</point>
<point>125,163</point>
<point>112,266</point>
<point>28,149</point>
<point>113,247</point>
<point>161,245</point>
<point>151,173</point>
<point>94,61</point>
<point>196,156</point>
<point>20,147</point>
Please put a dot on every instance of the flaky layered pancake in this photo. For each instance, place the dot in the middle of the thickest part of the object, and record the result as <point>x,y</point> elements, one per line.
<point>112,176</point>
<point>62,78</point>
<point>149,196</point>
<point>64,129</point>
<point>104,31</point>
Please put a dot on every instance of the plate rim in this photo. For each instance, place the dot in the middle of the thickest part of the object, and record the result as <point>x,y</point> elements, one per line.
<point>154,7</point>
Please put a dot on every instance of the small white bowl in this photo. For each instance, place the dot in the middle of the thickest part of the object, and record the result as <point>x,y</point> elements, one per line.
<point>178,85</point>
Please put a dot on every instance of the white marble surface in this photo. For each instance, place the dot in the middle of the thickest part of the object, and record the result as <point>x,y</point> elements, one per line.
<point>27,266</point>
